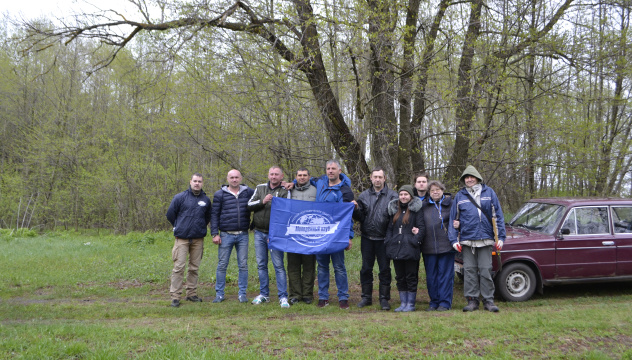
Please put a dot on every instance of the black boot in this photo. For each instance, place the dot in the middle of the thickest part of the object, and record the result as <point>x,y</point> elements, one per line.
<point>489,306</point>
<point>367,295</point>
<point>385,296</point>
<point>472,304</point>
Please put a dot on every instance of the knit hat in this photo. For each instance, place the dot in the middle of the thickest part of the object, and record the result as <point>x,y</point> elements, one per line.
<point>471,171</point>
<point>408,189</point>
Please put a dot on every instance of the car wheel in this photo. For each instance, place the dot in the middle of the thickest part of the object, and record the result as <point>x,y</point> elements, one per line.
<point>516,282</point>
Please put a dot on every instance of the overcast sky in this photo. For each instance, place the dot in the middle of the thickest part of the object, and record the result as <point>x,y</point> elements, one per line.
<point>57,8</point>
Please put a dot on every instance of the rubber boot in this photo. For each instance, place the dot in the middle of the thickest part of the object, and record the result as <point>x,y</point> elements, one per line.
<point>403,297</point>
<point>410,304</point>
<point>367,295</point>
<point>385,296</point>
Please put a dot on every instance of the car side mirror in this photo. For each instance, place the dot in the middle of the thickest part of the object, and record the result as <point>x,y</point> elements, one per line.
<point>562,232</point>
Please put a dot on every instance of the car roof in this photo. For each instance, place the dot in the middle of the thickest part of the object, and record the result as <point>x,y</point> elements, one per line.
<point>583,201</point>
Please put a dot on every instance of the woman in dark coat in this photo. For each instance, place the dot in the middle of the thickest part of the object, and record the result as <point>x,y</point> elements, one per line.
<point>436,249</point>
<point>403,240</point>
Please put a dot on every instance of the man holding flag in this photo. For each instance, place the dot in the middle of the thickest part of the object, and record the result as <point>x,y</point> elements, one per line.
<point>333,187</point>
<point>301,268</point>
<point>323,228</point>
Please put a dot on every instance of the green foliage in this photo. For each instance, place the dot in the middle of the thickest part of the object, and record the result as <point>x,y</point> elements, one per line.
<point>137,238</point>
<point>19,233</point>
<point>110,150</point>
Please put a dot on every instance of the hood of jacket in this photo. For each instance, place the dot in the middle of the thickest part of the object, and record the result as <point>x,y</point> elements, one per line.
<point>471,171</point>
<point>414,205</point>
<point>344,180</point>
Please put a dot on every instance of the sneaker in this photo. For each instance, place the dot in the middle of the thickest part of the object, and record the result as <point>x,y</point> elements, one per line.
<point>307,300</point>
<point>194,298</point>
<point>243,298</point>
<point>442,308</point>
<point>284,303</point>
<point>175,303</point>
<point>431,308</point>
<point>323,303</point>
<point>294,301</point>
<point>344,304</point>
<point>260,299</point>
<point>218,299</point>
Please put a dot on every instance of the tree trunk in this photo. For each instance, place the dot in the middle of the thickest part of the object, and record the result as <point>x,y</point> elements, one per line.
<point>466,103</point>
<point>343,141</point>
<point>384,146</point>
<point>407,149</point>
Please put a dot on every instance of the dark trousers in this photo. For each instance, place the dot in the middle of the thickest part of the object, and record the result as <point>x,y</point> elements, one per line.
<point>374,250</point>
<point>440,278</point>
<point>406,274</point>
<point>301,273</point>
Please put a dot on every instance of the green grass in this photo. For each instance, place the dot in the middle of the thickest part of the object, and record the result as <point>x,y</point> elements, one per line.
<point>74,296</point>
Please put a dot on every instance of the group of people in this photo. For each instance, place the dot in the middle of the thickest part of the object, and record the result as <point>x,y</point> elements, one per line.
<point>417,221</point>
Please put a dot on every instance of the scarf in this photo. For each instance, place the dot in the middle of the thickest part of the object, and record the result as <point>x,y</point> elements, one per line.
<point>475,192</point>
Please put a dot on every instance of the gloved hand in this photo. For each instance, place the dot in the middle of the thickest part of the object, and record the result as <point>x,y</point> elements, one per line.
<point>499,245</point>
<point>457,247</point>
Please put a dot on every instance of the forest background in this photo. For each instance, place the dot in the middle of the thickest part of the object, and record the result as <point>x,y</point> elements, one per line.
<point>105,115</point>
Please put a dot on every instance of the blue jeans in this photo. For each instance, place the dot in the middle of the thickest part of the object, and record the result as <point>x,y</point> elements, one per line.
<point>440,278</point>
<point>261,252</point>
<point>340,275</point>
<point>240,242</point>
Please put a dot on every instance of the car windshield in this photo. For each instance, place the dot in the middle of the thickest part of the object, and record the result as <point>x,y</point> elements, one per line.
<point>538,217</point>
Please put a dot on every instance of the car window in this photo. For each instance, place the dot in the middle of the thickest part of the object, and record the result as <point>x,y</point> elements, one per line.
<point>570,223</point>
<point>587,220</point>
<point>538,217</point>
<point>622,219</point>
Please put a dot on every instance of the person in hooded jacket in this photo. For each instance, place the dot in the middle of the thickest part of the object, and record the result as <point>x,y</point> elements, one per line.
<point>436,249</point>
<point>475,207</point>
<point>404,236</point>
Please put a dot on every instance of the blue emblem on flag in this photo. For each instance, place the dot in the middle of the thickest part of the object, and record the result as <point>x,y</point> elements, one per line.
<point>307,227</point>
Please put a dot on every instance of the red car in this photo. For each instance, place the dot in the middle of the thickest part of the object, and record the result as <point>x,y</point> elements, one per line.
<point>556,241</point>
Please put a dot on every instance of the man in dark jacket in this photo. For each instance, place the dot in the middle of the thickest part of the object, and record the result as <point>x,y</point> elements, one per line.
<point>372,213</point>
<point>231,216</point>
<point>261,204</point>
<point>477,206</point>
<point>189,214</point>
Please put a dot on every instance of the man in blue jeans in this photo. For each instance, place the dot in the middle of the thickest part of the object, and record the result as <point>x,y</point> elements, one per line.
<point>231,217</point>
<point>334,186</point>
<point>261,204</point>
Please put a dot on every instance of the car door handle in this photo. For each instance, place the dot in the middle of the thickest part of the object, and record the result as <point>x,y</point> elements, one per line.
<point>607,243</point>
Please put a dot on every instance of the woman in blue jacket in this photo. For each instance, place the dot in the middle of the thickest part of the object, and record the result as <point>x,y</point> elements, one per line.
<point>402,243</point>
<point>436,249</point>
